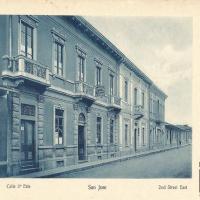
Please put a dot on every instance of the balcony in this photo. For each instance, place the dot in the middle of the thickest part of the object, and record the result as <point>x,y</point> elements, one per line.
<point>99,91</point>
<point>22,69</point>
<point>138,111</point>
<point>84,92</point>
<point>114,103</point>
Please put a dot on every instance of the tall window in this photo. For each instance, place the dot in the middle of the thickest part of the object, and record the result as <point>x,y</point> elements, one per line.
<point>59,126</point>
<point>158,107</point>
<point>143,136</point>
<point>151,105</point>
<point>111,131</point>
<point>143,100</point>
<point>135,96</point>
<point>126,134</point>
<point>26,46</point>
<point>98,130</point>
<point>126,91</point>
<point>81,64</point>
<point>138,136</point>
<point>98,75</point>
<point>111,84</point>
<point>58,58</point>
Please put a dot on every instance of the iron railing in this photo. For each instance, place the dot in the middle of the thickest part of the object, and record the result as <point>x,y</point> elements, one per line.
<point>22,66</point>
<point>83,88</point>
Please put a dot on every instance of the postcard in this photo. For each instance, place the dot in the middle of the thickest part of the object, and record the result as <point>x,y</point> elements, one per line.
<point>99,99</point>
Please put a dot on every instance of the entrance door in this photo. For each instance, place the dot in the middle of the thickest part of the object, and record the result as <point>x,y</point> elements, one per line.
<point>27,141</point>
<point>81,143</point>
<point>135,139</point>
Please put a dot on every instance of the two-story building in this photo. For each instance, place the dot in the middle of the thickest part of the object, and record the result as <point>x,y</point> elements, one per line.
<point>134,115</point>
<point>157,117</point>
<point>64,103</point>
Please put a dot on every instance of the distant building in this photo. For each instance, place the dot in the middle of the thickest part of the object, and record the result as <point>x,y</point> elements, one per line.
<point>177,135</point>
<point>68,95</point>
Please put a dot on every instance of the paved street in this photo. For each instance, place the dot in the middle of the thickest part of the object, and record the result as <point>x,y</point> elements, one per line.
<point>170,164</point>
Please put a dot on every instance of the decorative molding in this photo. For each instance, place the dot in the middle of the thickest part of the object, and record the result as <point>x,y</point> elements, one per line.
<point>88,109</point>
<point>80,51</point>
<point>98,62</point>
<point>41,99</point>
<point>16,94</point>
<point>18,83</point>
<point>58,36</point>
<point>111,71</point>
<point>30,20</point>
<point>75,106</point>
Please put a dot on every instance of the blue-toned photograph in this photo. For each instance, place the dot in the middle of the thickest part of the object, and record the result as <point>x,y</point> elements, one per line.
<point>95,97</point>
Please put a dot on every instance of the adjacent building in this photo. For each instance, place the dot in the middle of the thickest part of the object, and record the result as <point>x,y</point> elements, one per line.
<point>68,95</point>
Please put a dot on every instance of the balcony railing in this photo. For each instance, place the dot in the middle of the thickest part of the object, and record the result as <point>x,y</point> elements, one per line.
<point>99,91</point>
<point>138,111</point>
<point>83,89</point>
<point>115,102</point>
<point>22,67</point>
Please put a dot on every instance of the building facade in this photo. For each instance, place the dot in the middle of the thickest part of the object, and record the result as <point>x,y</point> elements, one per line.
<point>157,117</point>
<point>68,96</point>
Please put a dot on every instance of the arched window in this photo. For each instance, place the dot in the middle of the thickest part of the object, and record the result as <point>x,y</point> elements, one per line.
<point>81,119</point>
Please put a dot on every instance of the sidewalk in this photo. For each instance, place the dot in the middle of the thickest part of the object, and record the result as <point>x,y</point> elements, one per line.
<point>87,165</point>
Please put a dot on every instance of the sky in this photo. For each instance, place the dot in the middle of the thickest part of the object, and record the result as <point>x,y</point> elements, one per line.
<point>162,48</point>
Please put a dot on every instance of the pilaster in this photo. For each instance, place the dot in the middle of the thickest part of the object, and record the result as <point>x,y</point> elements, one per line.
<point>15,134</point>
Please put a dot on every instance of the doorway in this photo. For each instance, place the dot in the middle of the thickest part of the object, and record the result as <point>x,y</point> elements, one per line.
<point>27,141</point>
<point>81,138</point>
<point>81,143</point>
<point>135,139</point>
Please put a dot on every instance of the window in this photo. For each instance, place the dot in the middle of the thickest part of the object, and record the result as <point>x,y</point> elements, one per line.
<point>58,58</point>
<point>98,75</point>
<point>158,106</point>
<point>151,101</point>
<point>135,96</point>
<point>143,100</point>
<point>126,91</point>
<point>81,65</point>
<point>98,130</point>
<point>126,134</point>
<point>26,44</point>
<point>138,136</point>
<point>111,131</point>
<point>59,126</point>
<point>111,84</point>
<point>143,136</point>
